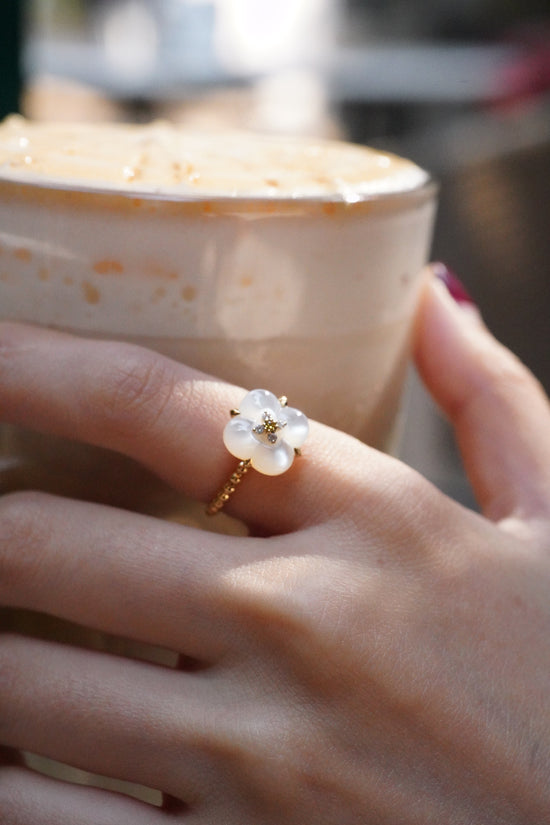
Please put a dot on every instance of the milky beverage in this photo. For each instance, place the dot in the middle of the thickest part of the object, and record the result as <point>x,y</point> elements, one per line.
<point>287,264</point>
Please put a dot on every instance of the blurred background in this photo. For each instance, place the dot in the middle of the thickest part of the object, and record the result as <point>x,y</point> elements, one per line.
<point>462,88</point>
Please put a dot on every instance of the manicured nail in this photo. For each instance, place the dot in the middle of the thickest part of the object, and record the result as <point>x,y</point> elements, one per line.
<point>454,285</point>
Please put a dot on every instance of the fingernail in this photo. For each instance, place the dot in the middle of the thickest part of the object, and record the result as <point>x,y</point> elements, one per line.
<point>454,285</point>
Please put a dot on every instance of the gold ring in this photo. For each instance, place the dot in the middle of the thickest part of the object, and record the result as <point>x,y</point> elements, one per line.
<point>264,433</point>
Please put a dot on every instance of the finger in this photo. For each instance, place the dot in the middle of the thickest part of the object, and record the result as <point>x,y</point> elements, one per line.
<point>125,574</point>
<point>118,718</point>
<point>27,798</point>
<point>168,417</point>
<point>171,419</point>
<point>499,411</point>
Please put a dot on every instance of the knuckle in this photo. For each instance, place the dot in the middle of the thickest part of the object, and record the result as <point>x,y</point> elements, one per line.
<point>380,505</point>
<point>283,600</point>
<point>137,387</point>
<point>23,531</point>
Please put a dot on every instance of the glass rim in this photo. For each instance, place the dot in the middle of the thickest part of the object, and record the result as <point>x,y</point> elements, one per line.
<point>229,202</point>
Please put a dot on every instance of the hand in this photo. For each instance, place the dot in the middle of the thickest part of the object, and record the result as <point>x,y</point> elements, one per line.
<point>374,653</point>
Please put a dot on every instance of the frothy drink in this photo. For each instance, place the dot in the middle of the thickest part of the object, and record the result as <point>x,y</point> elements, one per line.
<point>287,264</point>
<point>283,264</point>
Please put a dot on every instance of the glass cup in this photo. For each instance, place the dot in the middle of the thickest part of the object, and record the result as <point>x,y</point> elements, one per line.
<point>312,298</point>
<point>309,296</point>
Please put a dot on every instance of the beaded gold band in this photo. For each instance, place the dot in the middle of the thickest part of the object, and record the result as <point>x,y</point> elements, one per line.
<point>264,433</point>
<point>228,488</point>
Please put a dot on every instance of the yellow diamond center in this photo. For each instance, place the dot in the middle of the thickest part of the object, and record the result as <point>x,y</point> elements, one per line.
<point>271,425</point>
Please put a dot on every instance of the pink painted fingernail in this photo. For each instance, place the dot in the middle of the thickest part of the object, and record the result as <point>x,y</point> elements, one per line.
<point>454,285</point>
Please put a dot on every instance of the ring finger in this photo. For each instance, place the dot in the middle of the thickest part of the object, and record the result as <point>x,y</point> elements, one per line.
<point>170,418</point>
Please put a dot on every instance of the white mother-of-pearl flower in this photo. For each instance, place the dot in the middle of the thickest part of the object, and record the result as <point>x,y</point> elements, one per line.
<point>266,433</point>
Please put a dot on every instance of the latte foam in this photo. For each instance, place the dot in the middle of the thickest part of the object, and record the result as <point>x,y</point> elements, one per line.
<point>163,159</point>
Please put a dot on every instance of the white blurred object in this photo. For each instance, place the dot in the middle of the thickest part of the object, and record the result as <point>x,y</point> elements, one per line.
<point>293,102</point>
<point>130,36</point>
<point>187,34</point>
<point>283,45</point>
<point>260,36</point>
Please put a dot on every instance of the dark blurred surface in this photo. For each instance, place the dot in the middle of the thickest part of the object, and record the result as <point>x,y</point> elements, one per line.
<point>493,228</point>
<point>10,50</point>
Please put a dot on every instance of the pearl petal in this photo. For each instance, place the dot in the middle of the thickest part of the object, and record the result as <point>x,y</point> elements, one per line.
<point>238,438</point>
<point>256,401</point>
<point>297,428</point>
<point>272,461</point>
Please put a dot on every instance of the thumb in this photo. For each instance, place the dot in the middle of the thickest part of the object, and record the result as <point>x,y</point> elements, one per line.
<point>498,410</point>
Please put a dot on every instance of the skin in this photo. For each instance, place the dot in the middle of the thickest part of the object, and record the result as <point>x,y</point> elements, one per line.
<point>373,653</point>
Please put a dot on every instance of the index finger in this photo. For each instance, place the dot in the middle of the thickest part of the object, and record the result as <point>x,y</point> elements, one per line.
<point>170,418</point>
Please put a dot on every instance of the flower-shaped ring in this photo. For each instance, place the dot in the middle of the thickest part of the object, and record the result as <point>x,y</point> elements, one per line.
<point>264,433</point>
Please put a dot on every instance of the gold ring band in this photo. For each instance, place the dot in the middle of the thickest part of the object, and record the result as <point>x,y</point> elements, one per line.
<point>221,498</point>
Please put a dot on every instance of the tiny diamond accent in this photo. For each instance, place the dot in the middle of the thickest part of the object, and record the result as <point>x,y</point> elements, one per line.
<point>269,427</point>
